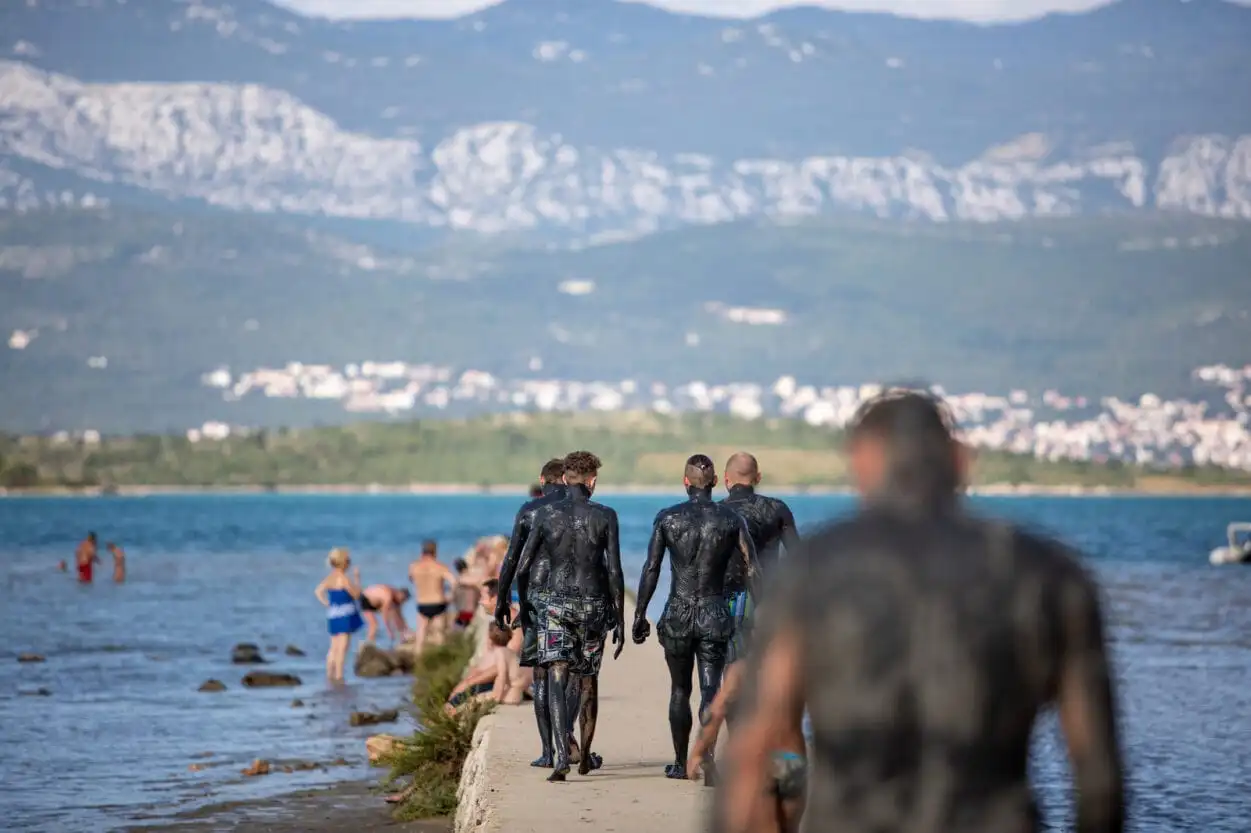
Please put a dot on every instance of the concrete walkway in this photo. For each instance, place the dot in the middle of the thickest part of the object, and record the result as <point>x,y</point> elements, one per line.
<point>502,793</point>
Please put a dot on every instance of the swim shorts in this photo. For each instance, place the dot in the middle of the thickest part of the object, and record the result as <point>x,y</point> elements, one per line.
<point>741,608</point>
<point>696,626</point>
<point>790,775</point>
<point>572,629</point>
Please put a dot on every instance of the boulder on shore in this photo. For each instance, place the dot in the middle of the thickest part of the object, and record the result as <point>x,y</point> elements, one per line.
<point>267,679</point>
<point>374,718</point>
<point>30,658</point>
<point>212,685</point>
<point>245,653</point>
<point>373,661</point>
<point>380,746</point>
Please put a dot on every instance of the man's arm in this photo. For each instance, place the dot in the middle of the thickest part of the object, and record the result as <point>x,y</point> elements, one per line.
<point>1088,712</point>
<point>512,558</point>
<point>616,580</point>
<point>503,606</point>
<point>651,572</point>
<point>790,532</point>
<point>750,558</point>
<point>776,710</point>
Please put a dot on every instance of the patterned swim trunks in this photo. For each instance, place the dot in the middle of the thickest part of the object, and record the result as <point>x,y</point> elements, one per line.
<point>573,630</point>
<point>696,626</point>
<point>741,609</point>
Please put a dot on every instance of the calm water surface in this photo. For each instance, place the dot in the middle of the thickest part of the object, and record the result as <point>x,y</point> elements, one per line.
<point>112,743</point>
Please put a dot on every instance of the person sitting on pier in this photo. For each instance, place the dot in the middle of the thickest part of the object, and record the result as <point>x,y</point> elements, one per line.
<point>582,599</point>
<point>529,582</point>
<point>703,538</point>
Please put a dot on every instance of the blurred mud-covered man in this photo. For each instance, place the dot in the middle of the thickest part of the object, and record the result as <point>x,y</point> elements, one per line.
<point>925,642</point>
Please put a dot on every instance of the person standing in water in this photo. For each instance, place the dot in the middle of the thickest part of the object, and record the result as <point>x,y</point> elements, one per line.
<point>925,642</point>
<point>86,557</point>
<point>382,600</point>
<point>432,579</point>
<point>341,596</point>
<point>119,561</point>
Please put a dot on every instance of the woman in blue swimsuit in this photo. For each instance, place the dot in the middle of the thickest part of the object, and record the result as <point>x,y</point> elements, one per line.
<point>341,595</point>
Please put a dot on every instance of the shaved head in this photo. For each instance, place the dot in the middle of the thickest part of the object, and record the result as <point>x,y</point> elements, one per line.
<point>741,470</point>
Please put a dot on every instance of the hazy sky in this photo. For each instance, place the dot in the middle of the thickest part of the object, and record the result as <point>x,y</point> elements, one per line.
<point>980,10</point>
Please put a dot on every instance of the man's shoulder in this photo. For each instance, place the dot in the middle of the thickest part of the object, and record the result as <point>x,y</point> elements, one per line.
<point>669,512</point>
<point>777,504</point>
<point>601,509</point>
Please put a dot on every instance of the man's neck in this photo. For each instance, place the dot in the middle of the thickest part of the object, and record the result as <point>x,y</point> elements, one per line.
<point>699,492</point>
<point>552,488</point>
<point>578,491</point>
<point>742,489</point>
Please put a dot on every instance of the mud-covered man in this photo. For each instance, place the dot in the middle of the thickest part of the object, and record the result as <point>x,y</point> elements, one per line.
<point>553,489</point>
<point>925,642</point>
<point>580,601</point>
<point>702,538</point>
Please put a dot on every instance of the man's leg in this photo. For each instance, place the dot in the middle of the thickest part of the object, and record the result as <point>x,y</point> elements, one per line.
<point>711,658</point>
<point>681,667</point>
<point>558,680</point>
<point>372,621</point>
<point>589,710</point>
<point>542,718</point>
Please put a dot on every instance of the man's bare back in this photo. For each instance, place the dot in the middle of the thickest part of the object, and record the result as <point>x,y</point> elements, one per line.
<point>431,578</point>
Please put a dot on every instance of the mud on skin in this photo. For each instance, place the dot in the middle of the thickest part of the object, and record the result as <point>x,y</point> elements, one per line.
<point>771,525</point>
<point>702,539</point>
<point>578,541</point>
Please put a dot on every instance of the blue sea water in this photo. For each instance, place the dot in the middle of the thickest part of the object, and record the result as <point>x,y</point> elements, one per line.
<point>112,743</point>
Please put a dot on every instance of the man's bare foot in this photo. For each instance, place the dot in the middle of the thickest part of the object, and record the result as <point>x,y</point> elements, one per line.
<point>575,751</point>
<point>676,771</point>
<point>558,775</point>
<point>542,762</point>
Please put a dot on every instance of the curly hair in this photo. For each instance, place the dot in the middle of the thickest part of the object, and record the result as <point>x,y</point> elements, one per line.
<point>581,466</point>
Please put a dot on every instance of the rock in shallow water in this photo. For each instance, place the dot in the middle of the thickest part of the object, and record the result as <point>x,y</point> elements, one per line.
<point>30,658</point>
<point>293,651</point>
<point>373,661</point>
<point>245,653</point>
<point>258,767</point>
<point>212,685</point>
<point>373,718</point>
<point>267,679</point>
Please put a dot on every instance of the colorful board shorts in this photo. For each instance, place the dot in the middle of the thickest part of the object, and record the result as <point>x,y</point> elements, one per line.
<point>702,627</point>
<point>790,775</point>
<point>573,630</point>
<point>742,610</point>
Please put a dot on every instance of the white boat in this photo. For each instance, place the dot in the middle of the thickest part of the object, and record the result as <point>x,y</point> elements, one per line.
<point>1237,551</point>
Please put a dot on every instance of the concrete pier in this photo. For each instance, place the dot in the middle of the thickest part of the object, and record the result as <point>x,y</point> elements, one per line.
<point>501,793</point>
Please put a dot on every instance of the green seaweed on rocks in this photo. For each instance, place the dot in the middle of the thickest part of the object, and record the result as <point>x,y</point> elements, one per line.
<point>431,760</point>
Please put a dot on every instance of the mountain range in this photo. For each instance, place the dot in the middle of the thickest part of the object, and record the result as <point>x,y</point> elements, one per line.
<point>591,119</point>
<point>189,184</point>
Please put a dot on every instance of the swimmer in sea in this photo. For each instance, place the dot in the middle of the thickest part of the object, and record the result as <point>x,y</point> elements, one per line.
<point>579,603</point>
<point>432,578</point>
<point>703,539</point>
<point>382,600</point>
<point>119,561</point>
<point>533,580</point>
<point>86,557</point>
<point>925,643</point>
<point>340,594</point>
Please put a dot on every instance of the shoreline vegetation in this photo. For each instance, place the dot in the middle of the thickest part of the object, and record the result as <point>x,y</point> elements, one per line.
<point>642,452</point>
<point>427,764</point>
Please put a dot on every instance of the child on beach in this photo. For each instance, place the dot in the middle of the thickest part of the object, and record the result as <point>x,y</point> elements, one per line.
<point>341,596</point>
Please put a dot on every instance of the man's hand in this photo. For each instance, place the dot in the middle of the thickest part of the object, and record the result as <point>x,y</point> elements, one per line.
<point>618,638</point>
<point>642,630</point>
<point>503,613</point>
